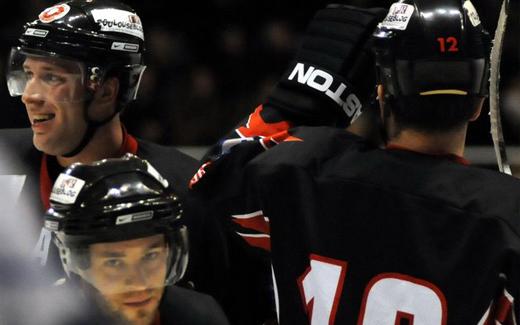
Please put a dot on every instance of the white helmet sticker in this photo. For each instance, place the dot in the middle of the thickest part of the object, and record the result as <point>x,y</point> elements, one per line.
<point>398,16</point>
<point>66,189</point>
<point>36,32</point>
<point>134,217</point>
<point>472,13</point>
<point>126,47</point>
<point>55,12</point>
<point>120,21</point>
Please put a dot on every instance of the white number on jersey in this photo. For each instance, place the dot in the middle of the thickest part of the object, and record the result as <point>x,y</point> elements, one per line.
<point>389,297</point>
<point>41,250</point>
<point>321,287</point>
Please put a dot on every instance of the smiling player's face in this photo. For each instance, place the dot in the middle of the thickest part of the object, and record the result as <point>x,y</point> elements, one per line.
<point>54,99</point>
<point>130,276</point>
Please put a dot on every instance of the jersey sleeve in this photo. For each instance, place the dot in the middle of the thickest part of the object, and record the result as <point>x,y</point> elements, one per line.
<point>221,184</point>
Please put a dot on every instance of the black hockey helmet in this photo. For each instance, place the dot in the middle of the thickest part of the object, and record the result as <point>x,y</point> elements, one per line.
<point>106,36</point>
<point>110,201</point>
<point>428,47</point>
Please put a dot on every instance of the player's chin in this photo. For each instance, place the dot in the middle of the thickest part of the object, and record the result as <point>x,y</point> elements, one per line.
<point>137,315</point>
<point>44,143</point>
<point>53,144</point>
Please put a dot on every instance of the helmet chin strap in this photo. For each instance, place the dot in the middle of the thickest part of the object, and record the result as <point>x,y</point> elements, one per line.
<point>92,127</point>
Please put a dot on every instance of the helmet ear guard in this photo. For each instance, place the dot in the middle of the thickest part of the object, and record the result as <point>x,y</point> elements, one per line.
<point>424,48</point>
<point>130,79</point>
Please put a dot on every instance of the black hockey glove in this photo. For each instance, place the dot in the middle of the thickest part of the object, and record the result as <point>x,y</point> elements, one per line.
<point>330,81</point>
<point>332,77</point>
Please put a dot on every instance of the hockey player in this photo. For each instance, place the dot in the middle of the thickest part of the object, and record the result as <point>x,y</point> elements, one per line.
<point>358,234</point>
<point>122,241</point>
<point>76,67</point>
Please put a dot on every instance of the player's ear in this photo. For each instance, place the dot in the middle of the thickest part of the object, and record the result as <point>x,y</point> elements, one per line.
<point>380,94</point>
<point>105,99</point>
<point>109,90</point>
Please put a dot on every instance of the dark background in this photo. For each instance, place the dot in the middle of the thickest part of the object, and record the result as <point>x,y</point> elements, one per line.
<point>211,62</point>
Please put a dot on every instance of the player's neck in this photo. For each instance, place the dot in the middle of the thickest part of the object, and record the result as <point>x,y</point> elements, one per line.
<point>437,143</point>
<point>106,143</point>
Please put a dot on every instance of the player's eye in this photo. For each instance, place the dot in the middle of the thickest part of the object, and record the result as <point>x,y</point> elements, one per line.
<point>53,79</point>
<point>151,256</point>
<point>113,263</point>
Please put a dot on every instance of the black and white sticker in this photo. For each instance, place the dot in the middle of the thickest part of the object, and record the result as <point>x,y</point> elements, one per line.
<point>55,12</point>
<point>66,189</point>
<point>398,16</point>
<point>134,217</point>
<point>472,13</point>
<point>36,32</point>
<point>120,21</point>
<point>126,47</point>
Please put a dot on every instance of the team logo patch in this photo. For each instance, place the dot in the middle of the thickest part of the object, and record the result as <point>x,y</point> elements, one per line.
<point>472,13</point>
<point>398,16</point>
<point>119,21</point>
<point>52,13</point>
<point>200,173</point>
<point>66,189</point>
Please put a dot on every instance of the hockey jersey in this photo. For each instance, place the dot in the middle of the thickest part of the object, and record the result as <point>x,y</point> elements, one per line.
<point>363,235</point>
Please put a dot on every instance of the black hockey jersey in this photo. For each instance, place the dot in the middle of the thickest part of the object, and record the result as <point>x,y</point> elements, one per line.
<point>362,235</point>
<point>181,306</point>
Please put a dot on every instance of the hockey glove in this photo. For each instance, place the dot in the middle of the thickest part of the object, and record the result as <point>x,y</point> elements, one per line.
<point>332,77</point>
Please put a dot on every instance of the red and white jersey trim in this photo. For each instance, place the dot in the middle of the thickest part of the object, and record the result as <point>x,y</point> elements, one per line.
<point>500,311</point>
<point>258,224</point>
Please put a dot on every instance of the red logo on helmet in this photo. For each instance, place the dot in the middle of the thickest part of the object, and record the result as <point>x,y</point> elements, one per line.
<point>55,12</point>
<point>134,19</point>
<point>400,10</point>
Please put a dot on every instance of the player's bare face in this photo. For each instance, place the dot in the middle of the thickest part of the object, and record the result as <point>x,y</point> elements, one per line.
<point>130,276</point>
<point>53,98</point>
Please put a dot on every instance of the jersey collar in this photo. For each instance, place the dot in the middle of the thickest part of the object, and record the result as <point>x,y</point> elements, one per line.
<point>456,158</point>
<point>129,145</point>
